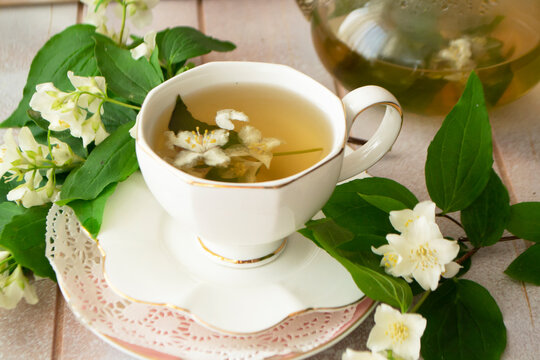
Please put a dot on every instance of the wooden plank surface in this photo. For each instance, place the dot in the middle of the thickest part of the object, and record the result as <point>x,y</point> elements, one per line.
<point>27,324</point>
<point>275,31</point>
<point>33,2</point>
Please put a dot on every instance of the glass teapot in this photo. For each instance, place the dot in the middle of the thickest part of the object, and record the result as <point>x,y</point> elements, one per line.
<point>423,50</point>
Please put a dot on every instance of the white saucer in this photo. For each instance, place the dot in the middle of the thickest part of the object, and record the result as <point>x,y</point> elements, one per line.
<point>139,242</point>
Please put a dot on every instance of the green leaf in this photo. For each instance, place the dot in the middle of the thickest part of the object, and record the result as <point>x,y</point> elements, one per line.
<point>111,161</point>
<point>351,211</point>
<point>72,49</point>
<point>39,131</point>
<point>524,220</point>
<point>154,61</point>
<point>8,210</point>
<point>364,269</point>
<point>182,120</point>
<point>526,267</point>
<point>23,235</point>
<point>386,194</point>
<point>459,159</point>
<point>129,78</point>
<point>463,322</point>
<point>116,115</point>
<point>6,187</point>
<point>178,44</point>
<point>486,218</point>
<point>90,212</point>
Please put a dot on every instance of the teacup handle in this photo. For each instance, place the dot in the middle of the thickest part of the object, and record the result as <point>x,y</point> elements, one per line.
<point>382,140</point>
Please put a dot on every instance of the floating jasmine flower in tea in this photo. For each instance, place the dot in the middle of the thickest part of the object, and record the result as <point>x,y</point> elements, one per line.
<point>254,145</point>
<point>199,149</point>
<point>244,133</point>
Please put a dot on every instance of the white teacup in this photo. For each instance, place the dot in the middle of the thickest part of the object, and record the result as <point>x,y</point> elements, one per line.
<point>247,223</point>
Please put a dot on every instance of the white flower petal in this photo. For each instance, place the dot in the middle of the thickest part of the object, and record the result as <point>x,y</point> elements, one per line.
<point>216,157</point>
<point>225,117</point>
<point>187,158</point>
<point>401,219</point>
<point>249,135</point>
<point>398,332</point>
<point>8,153</point>
<point>447,250</point>
<point>133,131</point>
<point>145,48</point>
<point>237,150</point>
<point>93,130</point>
<point>28,143</point>
<point>451,269</point>
<point>141,18</point>
<point>426,209</point>
<point>16,287</point>
<point>428,279</point>
<point>140,51</point>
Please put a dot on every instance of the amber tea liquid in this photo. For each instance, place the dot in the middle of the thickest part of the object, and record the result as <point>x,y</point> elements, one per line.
<point>277,113</point>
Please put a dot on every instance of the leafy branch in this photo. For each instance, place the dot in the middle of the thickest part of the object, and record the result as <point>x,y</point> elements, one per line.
<point>461,315</point>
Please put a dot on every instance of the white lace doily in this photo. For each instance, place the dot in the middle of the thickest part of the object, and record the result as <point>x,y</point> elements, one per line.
<point>158,331</point>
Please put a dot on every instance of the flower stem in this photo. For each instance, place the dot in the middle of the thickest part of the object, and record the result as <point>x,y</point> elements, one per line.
<point>462,259</point>
<point>10,257</point>
<point>108,99</point>
<point>451,219</point>
<point>420,302</point>
<point>169,71</point>
<point>124,15</point>
<point>504,238</point>
<point>104,97</point>
<point>11,268</point>
<point>297,152</point>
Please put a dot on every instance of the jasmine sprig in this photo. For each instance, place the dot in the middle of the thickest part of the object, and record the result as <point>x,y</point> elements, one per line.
<point>459,178</point>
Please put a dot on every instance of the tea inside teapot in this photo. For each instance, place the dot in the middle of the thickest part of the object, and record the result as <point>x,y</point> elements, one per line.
<point>424,50</point>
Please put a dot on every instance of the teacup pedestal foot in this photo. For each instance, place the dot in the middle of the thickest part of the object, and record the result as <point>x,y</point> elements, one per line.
<point>242,256</point>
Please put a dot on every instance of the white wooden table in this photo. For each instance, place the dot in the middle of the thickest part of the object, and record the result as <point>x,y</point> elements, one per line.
<point>275,31</point>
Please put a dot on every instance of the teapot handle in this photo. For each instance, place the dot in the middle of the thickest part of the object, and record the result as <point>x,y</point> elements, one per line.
<point>380,143</point>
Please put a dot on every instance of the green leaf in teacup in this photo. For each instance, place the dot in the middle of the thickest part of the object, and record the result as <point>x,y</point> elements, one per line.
<point>459,159</point>
<point>485,219</point>
<point>22,233</point>
<point>463,320</point>
<point>183,120</point>
<point>110,162</point>
<point>524,220</point>
<point>71,49</point>
<point>129,78</point>
<point>526,267</point>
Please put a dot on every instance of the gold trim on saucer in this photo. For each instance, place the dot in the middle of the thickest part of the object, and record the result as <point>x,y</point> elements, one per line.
<point>243,262</point>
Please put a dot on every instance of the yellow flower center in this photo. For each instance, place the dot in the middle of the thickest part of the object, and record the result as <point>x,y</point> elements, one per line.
<point>398,332</point>
<point>425,257</point>
<point>205,139</point>
<point>390,260</point>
